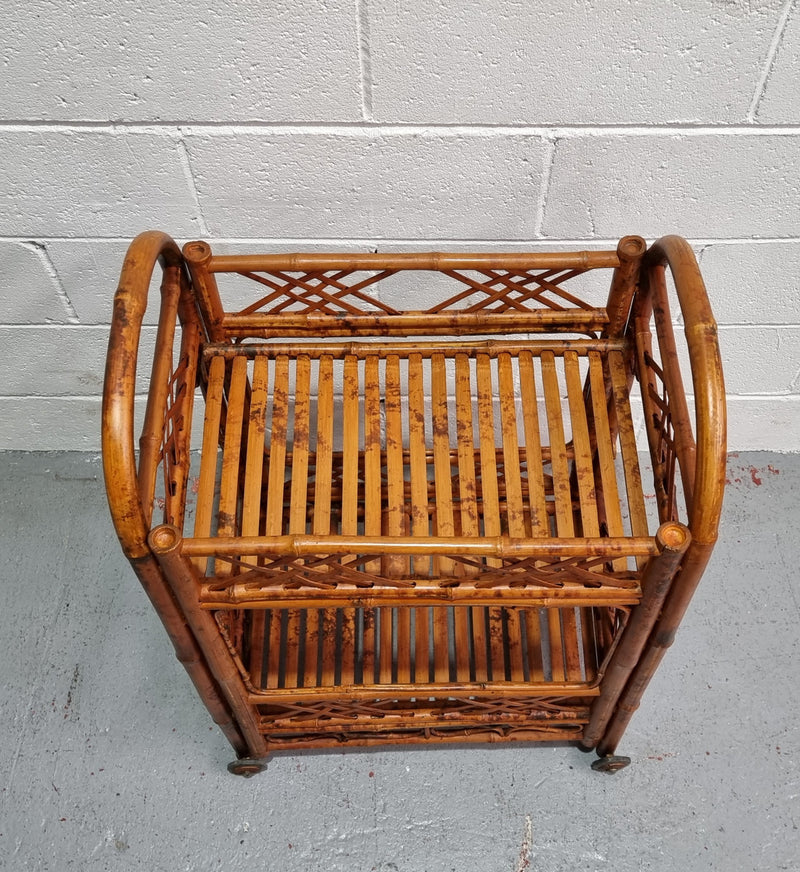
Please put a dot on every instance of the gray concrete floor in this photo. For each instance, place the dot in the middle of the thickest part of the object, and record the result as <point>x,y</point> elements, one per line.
<point>109,761</point>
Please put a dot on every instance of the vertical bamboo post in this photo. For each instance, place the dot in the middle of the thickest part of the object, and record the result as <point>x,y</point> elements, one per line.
<point>709,478</point>
<point>188,651</point>
<point>630,251</point>
<point>198,256</point>
<point>165,542</point>
<point>157,396</point>
<point>673,540</point>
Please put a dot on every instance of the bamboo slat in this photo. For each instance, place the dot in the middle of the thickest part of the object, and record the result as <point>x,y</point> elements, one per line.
<point>515,514</point>
<point>562,627</point>
<point>229,478</point>
<point>540,525</point>
<point>395,479</point>
<point>441,459</point>
<point>418,470</point>
<point>490,499</point>
<point>372,457</point>
<point>277,449</point>
<point>630,457</point>
<point>350,435</point>
<point>208,457</point>
<point>323,466</point>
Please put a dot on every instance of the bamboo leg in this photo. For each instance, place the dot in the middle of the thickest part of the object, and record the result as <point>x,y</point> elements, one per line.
<point>660,640</point>
<point>673,540</point>
<point>165,542</point>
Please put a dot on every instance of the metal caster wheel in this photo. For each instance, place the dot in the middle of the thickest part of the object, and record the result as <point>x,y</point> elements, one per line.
<point>246,767</point>
<point>611,764</point>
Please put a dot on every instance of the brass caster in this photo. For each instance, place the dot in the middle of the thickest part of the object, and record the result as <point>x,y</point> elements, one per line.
<point>611,764</point>
<point>247,767</point>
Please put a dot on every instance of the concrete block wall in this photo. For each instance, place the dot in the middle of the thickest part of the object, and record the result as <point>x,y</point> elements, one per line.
<point>356,124</point>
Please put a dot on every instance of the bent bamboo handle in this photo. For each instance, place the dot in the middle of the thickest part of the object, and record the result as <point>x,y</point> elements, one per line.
<point>119,459</point>
<point>707,380</point>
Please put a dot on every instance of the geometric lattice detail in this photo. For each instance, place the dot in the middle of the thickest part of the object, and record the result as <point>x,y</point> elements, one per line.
<point>174,446</point>
<point>327,572</point>
<point>493,291</point>
<point>658,418</point>
<point>492,709</point>
<point>323,292</point>
<point>505,290</point>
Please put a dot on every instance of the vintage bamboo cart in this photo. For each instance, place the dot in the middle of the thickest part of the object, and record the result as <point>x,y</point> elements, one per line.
<point>417,526</point>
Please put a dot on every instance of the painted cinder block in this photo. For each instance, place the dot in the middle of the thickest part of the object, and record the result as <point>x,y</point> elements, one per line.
<point>88,270</point>
<point>375,185</point>
<point>764,423</point>
<point>27,289</point>
<point>92,183</point>
<point>50,423</point>
<point>63,360</point>
<point>567,63</point>
<point>753,283</point>
<point>188,61</point>
<point>761,360</point>
<point>703,186</point>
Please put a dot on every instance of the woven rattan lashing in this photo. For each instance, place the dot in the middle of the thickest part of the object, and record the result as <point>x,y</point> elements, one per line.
<point>423,525</point>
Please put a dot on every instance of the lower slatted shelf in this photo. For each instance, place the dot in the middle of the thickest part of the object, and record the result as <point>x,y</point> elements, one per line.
<point>342,674</point>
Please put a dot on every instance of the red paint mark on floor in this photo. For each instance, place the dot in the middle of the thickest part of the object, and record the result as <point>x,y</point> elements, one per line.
<point>754,476</point>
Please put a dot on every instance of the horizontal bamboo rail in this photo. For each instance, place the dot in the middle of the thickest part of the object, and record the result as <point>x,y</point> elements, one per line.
<point>382,350</point>
<point>493,546</point>
<point>426,594</point>
<point>433,260</point>
<point>441,690</point>
<point>296,739</point>
<point>409,324</point>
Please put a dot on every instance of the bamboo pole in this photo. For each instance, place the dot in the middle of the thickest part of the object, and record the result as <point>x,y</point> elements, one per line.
<point>119,461</point>
<point>314,324</point>
<point>630,251</point>
<point>425,349</point>
<point>494,546</point>
<point>165,542</point>
<point>673,541</point>
<point>434,260</point>
<point>709,481</point>
<point>198,258</point>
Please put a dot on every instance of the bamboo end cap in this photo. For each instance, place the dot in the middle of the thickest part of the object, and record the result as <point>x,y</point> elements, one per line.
<point>673,536</point>
<point>630,247</point>
<point>197,252</point>
<point>164,538</point>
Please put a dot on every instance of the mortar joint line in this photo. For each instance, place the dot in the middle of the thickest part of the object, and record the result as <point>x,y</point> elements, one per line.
<point>188,171</point>
<point>370,127</point>
<point>364,58</point>
<point>40,250</point>
<point>544,192</point>
<point>769,61</point>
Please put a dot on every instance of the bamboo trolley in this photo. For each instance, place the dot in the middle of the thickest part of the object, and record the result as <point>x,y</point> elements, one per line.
<point>421,526</point>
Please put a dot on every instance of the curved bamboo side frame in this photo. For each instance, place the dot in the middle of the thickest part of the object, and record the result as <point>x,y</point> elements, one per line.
<point>118,441</point>
<point>708,475</point>
<point>119,459</point>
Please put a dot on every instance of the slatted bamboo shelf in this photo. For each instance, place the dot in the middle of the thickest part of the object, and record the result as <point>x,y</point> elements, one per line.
<point>417,526</point>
